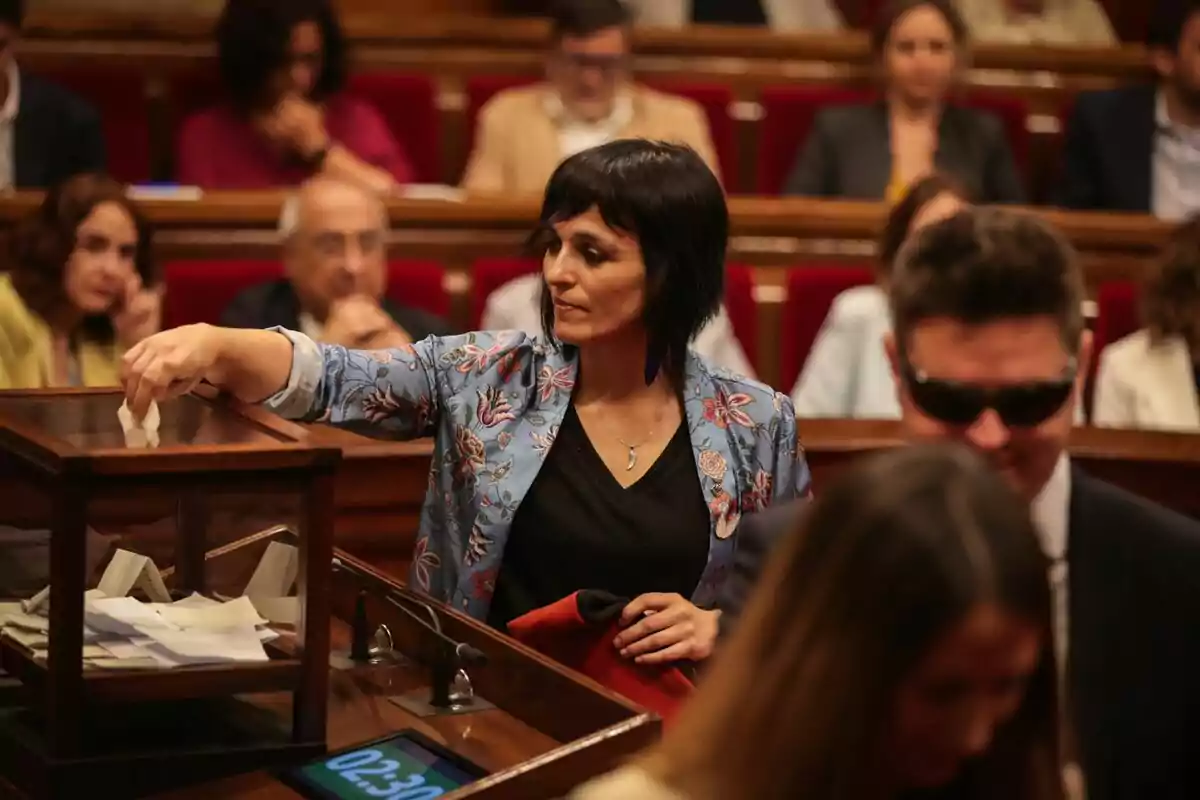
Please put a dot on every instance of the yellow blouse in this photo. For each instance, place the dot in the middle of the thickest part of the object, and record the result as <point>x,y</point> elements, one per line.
<point>25,349</point>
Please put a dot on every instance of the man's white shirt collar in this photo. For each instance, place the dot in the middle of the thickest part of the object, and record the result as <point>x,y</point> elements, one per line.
<point>1050,510</point>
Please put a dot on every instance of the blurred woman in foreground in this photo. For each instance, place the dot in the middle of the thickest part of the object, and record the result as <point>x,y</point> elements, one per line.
<point>897,647</point>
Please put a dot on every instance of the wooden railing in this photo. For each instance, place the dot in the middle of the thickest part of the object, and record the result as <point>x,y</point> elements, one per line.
<point>771,235</point>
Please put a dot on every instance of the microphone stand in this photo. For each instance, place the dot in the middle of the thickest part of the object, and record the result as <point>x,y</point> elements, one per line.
<point>450,690</point>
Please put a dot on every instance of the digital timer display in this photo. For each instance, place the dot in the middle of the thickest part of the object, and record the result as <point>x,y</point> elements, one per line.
<point>399,768</point>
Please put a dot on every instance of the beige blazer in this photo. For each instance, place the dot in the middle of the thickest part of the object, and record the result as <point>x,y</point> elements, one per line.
<point>1151,387</point>
<point>518,145</point>
<point>782,15</point>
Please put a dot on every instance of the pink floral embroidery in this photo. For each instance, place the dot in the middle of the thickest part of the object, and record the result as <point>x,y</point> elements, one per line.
<point>471,454</point>
<point>504,439</point>
<point>423,561</point>
<point>724,409</point>
<point>725,515</point>
<point>506,367</point>
<point>713,465</point>
<point>381,356</point>
<point>493,407</point>
<point>551,381</point>
<point>382,403</point>
<point>477,546</point>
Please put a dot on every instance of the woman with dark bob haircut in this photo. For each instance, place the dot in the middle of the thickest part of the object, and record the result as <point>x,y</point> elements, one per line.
<point>81,287</point>
<point>847,373</point>
<point>285,116</point>
<point>605,455</point>
<point>1150,379</point>
<point>898,646</point>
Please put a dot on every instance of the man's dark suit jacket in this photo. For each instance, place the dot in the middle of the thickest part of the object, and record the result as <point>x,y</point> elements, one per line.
<point>1134,620</point>
<point>56,135</point>
<point>849,154</point>
<point>1108,151</point>
<point>275,303</point>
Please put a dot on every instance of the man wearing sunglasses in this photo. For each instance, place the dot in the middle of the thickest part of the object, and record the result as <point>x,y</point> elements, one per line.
<point>988,347</point>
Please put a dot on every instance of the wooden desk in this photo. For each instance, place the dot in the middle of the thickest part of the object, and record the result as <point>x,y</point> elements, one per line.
<point>1162,467</point>
<point>550,730</point>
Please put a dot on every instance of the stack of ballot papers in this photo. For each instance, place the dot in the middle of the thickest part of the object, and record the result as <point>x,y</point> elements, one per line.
<point>123,632</point>
<point>126,633</point>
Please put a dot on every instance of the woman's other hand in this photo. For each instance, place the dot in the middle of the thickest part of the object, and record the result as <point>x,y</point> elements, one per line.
<point>139,314</point>
<point>661,628</point>
<point>169,364</point>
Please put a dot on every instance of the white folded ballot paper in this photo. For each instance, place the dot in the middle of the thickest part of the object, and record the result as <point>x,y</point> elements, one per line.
<point>139,433</point>
<point>125,633</point>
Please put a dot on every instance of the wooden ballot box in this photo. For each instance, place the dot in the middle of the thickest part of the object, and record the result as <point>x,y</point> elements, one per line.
<point>82,728</point>
<point>535,727</point>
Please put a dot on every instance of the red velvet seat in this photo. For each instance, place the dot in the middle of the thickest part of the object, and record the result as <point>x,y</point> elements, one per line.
<point>742,309</point>
<point>407,103</point>
<point>198,291</point>
<point>1117,313</point>
<point>419,284</point>
<point>810,292</point>
<point>119,96</point>
<point>788,113</point>
<point>488,275</point>
<point>715,99</point>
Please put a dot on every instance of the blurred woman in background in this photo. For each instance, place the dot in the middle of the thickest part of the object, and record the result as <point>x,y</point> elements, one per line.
<point>899,643</point>
<point>81,288</point>
<point>877,150</point>
<point>285,116</point>
<point>1149,378</point>
<point>847,372</point>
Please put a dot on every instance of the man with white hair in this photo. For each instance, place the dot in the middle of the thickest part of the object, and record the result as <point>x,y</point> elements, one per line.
<point>335,257</point>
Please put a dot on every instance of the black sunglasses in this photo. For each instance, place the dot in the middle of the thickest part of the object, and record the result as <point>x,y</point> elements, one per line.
<point>1019,405</point>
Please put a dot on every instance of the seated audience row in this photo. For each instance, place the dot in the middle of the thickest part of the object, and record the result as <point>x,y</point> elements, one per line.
<point>1010,21</point>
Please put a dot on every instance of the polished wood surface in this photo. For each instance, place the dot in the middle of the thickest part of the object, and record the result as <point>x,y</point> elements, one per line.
<point>551,728</point>
<point>1162,467</point>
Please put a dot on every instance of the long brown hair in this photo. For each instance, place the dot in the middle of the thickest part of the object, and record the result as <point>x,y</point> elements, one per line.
<point>886,560</point>
<point>1171,300</point>
<point>43,242</point>
<point>898,225</point>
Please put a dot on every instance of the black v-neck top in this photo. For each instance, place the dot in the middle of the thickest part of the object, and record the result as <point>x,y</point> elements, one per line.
<point>578,528</point>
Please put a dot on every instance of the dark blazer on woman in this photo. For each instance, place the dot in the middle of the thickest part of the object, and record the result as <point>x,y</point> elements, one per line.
<point>849,154</point>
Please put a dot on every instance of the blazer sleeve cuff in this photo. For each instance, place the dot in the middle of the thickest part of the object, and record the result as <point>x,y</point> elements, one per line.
<point>297,398</point>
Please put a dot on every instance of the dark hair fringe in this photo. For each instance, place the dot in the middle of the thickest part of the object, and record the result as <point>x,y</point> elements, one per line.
<point>666,197</point>
<point>887,17</point>
<point>580,18</point>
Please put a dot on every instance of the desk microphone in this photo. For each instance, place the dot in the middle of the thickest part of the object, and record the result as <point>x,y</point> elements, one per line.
<point>466,655</point>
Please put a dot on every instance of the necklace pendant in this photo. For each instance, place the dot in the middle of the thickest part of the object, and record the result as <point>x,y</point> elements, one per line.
<point>632,459</point>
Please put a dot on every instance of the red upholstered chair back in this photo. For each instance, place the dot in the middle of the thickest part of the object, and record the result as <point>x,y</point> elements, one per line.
<point>1117,313</point>
<point>715,99</point>
<point>119,96</point>
<point>789,112</point>
<point>408,104</point>
<point>488,275</point>
<point>418,284</point>
<point>811,289</point>
<point>742,309</point>
<point>198,291</point>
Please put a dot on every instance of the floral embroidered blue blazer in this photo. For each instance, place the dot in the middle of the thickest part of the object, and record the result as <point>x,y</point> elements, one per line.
<point>493,403</point>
